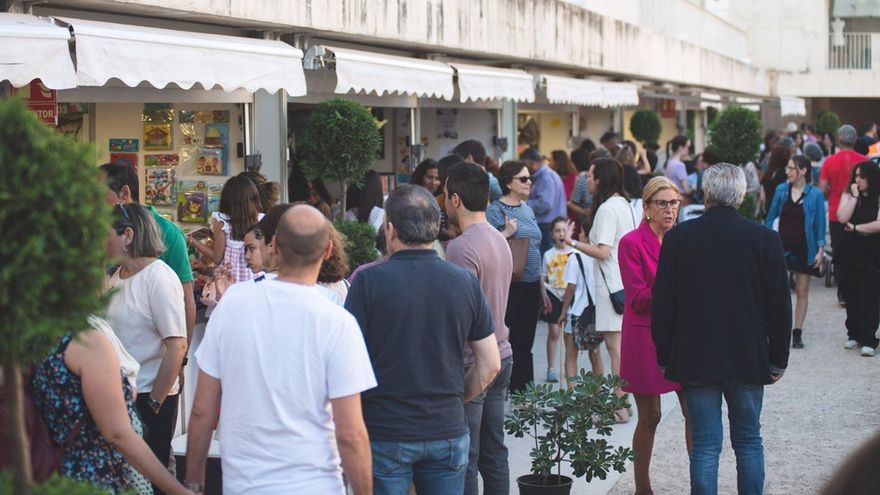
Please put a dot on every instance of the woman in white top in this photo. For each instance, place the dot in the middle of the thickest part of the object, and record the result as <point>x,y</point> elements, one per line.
<point>146,312</point>
<point>612,219</point>
<point>365,203</point>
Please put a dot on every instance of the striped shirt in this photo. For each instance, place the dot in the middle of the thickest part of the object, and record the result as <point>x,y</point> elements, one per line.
<point>526,227</point>
<point>581,193</point>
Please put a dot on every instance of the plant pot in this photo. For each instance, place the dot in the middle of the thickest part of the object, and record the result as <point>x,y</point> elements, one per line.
<point>535,484</point>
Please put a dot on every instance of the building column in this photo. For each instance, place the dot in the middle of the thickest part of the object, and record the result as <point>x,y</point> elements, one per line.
<point>506,131</point>
<point>269,137</point>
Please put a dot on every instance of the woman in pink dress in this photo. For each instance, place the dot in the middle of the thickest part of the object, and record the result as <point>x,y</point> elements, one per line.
<point>638,255</point>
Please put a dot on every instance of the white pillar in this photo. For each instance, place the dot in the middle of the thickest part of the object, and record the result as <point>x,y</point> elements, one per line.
<point>270,136</point>
<point>507,130</point>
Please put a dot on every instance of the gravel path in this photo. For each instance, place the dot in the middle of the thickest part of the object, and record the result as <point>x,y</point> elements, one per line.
<point>825,406</point>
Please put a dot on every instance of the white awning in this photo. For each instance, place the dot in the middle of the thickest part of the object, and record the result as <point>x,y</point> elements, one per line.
<point>161,57</point>
<point>375,72</point>
<point>568,90</point>
<point>34,48</point>
<point>791,105</point>
<point>753,104</point>
<point>476,83</point>
<point>616,94</point>
<point>710,100</point>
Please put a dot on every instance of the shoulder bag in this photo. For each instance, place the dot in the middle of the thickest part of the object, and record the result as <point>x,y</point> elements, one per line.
<point>584,333</point>
<point>519,251</point>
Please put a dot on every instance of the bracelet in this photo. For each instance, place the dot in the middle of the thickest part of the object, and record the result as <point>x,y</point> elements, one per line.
<point>196,487</point>
<point>573,243</point>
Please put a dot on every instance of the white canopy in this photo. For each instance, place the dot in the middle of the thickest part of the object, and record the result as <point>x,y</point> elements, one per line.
<point>34,48</point>
<point>374,72</point>
<point>161,57</point>
<point>708,100</point>
<point>618,94</point>
<point>476,82</point>
<point>791,105</point>
<point>568,90</point>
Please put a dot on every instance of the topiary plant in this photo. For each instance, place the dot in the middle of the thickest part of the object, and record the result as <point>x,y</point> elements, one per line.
<point>735,135</point>
<point>56,485</point>
<point>828,122</point>
<point>341,144</point>
<point>645,126</point>
<point>360,242</point>
<point>52,258</point>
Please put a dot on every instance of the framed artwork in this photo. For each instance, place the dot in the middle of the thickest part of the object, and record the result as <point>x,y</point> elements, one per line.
<point>210,161</point>
<point>157,136</point>
<point>168,160</point>
<point>192,206</point>
<point>128,159</point>
<point>127,145</point>
<point>159,187</point>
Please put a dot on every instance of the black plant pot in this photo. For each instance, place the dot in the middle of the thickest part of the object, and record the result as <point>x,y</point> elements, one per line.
<point>535,484</point>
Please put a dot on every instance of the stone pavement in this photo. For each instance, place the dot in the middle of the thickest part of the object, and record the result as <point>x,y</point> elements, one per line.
<point>825,406</point>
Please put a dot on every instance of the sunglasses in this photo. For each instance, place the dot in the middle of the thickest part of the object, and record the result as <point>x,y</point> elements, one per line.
<point>524,178</point>
<point>120,225</point>
<point>664,203</point>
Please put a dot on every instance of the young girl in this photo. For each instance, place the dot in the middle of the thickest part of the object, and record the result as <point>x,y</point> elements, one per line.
<point>554,266</point>
<point>239,211</point>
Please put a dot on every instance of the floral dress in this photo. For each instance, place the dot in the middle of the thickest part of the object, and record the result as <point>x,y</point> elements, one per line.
<point>57,395</point>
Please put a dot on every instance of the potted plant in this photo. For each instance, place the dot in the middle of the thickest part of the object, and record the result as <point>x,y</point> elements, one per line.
<point>828,122</point>
<point>568,425</point>
<point>55,224</point>
<point>645,127</point>
<point>341,144</point>
<point>360,242</point>
<point>735,135</point>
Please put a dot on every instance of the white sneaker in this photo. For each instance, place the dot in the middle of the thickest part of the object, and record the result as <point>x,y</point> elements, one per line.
<point>868,351</point>
<point>851,344</point>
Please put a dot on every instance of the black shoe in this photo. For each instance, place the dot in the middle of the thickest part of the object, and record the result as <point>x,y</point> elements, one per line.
<point>797,342</point>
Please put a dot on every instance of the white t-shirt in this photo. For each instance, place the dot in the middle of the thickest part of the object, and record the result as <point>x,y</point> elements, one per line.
<point>377,217</point>
<point>128,363</point>
<point>282,351</point>
<point>553,267</point>
<point>582,285</point>
<point>614,219</point>
<point>146,309</point>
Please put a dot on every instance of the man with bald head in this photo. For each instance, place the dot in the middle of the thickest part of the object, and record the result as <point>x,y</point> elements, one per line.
<point>287,367</point>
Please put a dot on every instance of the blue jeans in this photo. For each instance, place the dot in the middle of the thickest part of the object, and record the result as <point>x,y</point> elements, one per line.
<point>488,454</point>
<point>435,466</point>
<point>744,411</point>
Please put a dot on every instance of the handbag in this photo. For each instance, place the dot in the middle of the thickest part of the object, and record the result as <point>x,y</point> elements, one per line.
<point>519,251</point>
<point>618,299</point>
<point>585,336</point>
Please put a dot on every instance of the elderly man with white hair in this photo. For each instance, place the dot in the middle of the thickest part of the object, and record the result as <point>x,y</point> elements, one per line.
<point>721,322</point>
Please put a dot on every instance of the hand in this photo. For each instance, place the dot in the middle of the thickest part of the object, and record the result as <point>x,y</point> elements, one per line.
<point>849,227</point>
<point>545,301</point>
<point>819,260</point>
<point>509,226</point>
<point>774,378</point>
<point>216,225</point>
<point>562,318</point>
<point>222,280</point>
<point>854,190</point>
<point>569,230</point>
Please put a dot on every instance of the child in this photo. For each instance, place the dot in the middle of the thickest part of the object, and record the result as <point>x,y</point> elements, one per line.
<point>579,277</point>
<point>239,211</point>
<point>253,251</point>
<point>263,258</point>
<point>554,265</point>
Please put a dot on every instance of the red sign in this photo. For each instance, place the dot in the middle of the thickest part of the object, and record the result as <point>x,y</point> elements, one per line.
<point>667,108</point>
<point>40,100</point>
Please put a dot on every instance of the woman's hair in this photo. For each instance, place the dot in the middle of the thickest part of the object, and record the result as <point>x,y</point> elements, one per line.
<point>651,155</point>
<point>334,268</point>
<point>656,185</point>
<point>564,167</point>
<point>631,146</point>
<point>506,173</point>
<point>831,137</point>
<point>674,144</point>
<point>147,239</point>
<point>366,197</point>
<point>871,172</point>
<point>625,157</point>
<point>779,157</point>
<point>804,163</point>
<point>588,145</point>
<point>632,183</point>
<point>269,191</point>
<point>581,159</point>
<point>240,201</point>
<point>609,177</point>
<point>418,176</point>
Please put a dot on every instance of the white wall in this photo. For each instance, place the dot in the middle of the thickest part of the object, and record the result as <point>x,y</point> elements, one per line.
<point>479,124</point>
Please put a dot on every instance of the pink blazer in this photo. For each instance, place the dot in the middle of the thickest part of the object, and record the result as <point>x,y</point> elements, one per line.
<point>637,256</point>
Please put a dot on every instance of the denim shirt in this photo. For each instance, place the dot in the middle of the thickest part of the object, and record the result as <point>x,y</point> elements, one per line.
<point>814,213</point>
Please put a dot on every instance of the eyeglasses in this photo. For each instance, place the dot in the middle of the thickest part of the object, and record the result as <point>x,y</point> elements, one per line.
<point>664,203</point>
<point>524,178</point>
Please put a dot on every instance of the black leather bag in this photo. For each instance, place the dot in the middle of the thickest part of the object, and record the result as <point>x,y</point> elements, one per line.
<point>618,299</point>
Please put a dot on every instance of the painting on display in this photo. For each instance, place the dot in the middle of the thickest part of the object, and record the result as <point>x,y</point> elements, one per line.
<point>123,145</point>
<point>157,136</point>
<point>192,206</point>
<point>210,161</point>
<point>128,159</point>
<point>217,137</point>
<point>159,187</point>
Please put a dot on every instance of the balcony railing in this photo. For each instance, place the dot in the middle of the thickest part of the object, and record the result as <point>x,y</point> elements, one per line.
<point>855,53</point>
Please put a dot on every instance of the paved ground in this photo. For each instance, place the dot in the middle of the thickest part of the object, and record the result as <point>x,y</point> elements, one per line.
<point>824,407</point>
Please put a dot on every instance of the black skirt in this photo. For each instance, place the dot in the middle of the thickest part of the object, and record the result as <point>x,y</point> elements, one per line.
<point>796,261</point>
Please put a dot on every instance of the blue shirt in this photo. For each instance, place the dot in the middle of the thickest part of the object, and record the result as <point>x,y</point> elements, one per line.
<point>526,227</point>
<point>581,193</point>
<point>814,213</point>
<point>495,188</point>
<point>547,198</point>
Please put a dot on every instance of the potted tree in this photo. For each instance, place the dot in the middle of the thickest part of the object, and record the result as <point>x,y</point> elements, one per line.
<point>645,127</point>
<point>735,137</point>
<point>828,122</point>
<point>360,242</point>
<point>341,144</point>
<point>55,224</point>
<point>567,425</point>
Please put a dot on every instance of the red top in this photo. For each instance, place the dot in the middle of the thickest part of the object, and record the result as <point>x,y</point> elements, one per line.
<point>837,170</point>
<point>568,184</point>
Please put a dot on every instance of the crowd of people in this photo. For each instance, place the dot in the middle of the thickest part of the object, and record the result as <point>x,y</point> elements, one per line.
<point>398,373</point>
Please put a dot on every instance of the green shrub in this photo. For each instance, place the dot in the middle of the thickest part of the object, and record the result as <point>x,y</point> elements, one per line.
<point>735,135</point>
<point>645,126</point>
<point>52,258</point>
<point>56,485</point>
<point>828,122</point>
<point>749,208</point>
<point>360,242</point>
<point>341,144</point>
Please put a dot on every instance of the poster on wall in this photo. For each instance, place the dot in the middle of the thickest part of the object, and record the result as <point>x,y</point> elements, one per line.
<point>192,206</point>
<point>163,160</point>
<point>71,117</point>
<point>210,161</point>
<point>159,186</point>
<point>128,159</point>
<point>217,137</point>
<point>447,123</point>
<point>124,145</point>
<point>157,137</point>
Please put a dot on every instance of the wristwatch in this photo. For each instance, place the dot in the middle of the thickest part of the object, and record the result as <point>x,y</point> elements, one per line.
<point>195,487</point>
<point>574,243</point>
<point>154,405</point>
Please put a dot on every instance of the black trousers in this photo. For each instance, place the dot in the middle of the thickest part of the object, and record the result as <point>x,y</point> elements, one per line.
<point>861,288</point>
<point>159,427</point>
<point>836,230</point>
<point>523,304</point>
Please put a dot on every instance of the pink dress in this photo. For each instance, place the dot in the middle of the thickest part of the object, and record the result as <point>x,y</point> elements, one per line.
<point>638,254</point>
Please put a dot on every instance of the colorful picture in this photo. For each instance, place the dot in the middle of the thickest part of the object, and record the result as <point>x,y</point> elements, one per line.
<point>157,113</point>
<point>169,160</point>
<point>210,161</point>
<point>192,207</point>
<point>157,136</point>
<point>129,159</point>
<point>217,136</point>
<point>159,187</point>
<point>129,145</point>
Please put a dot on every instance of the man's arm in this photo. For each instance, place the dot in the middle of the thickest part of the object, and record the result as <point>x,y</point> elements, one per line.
<point>205,411</point>
<point>353,443</point>
<point>663,303</point>
<point>777,308</point>
<point>539,199</point>
<point>487,364</point>
<point>189,308</point>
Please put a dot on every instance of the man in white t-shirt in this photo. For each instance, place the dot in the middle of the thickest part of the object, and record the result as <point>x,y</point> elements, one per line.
<point>286,366</point>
